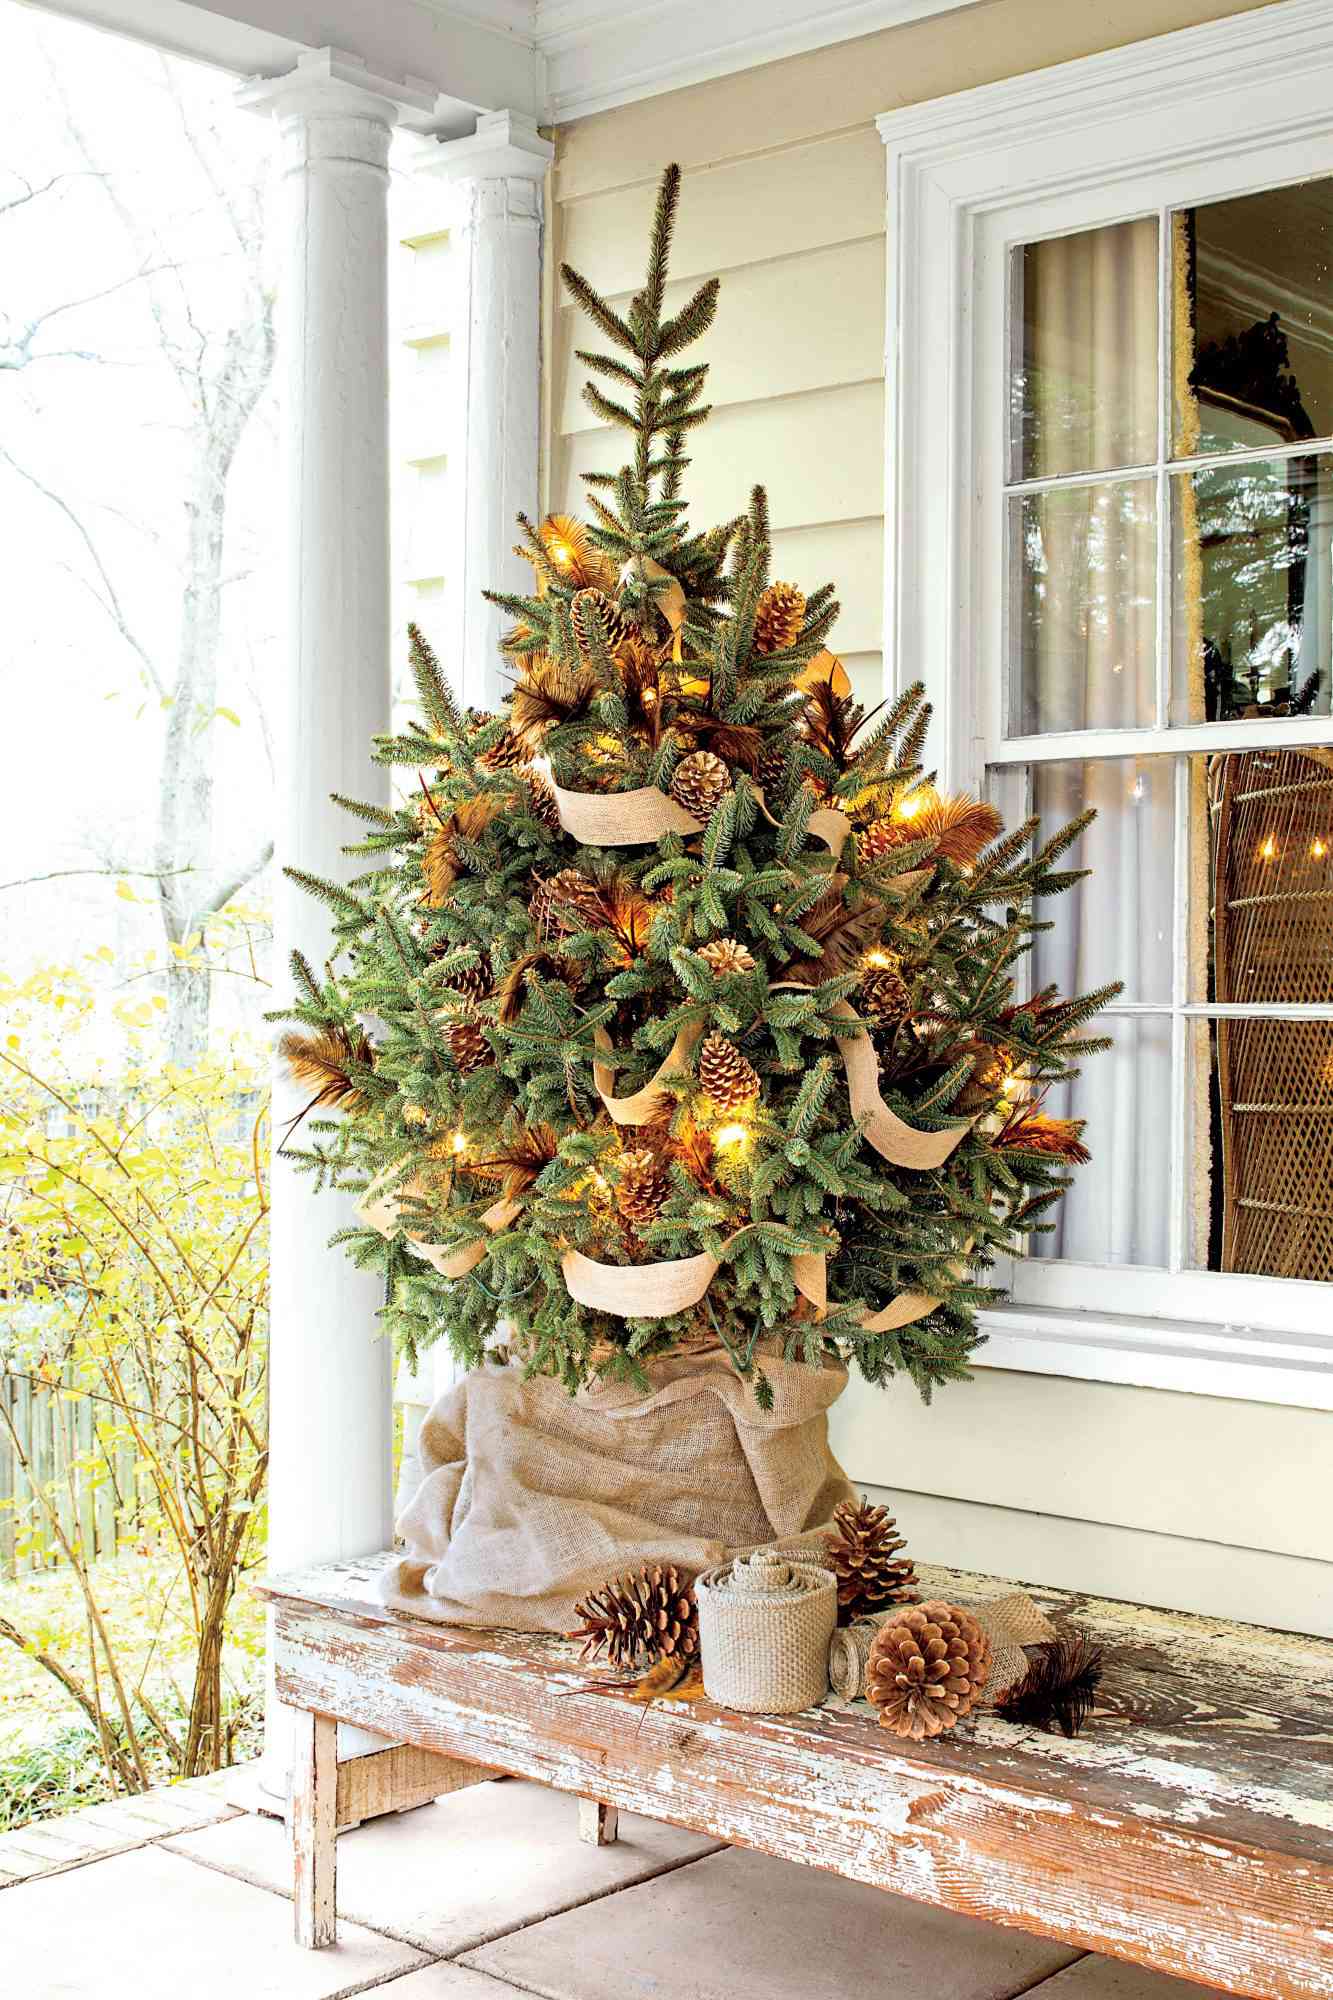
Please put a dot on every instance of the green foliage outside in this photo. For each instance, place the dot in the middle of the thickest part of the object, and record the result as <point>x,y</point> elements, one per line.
<point>133,1275</point>
<point>484,950</point>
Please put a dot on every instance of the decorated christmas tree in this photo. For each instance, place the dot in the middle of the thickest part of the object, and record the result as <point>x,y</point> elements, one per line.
<point>675,1003</point>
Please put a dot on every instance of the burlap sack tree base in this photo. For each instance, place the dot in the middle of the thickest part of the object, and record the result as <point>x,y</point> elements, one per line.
<point>525,1498</point>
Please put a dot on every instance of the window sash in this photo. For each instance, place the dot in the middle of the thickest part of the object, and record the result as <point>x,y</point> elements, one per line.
<point>1090,143</point>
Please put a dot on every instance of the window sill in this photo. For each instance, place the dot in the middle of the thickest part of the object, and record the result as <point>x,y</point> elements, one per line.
<point>1245,1364</point>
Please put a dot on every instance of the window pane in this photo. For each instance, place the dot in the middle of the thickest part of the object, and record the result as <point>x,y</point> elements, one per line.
<point>1116,924</point>
<point>1085,575</point>
<point>1083,397</point>
<point>1270,849</point>
<point>1263,1147</point>
<point>1252,575</point>
<point>1253,297</point>
<point>1118,1209</point>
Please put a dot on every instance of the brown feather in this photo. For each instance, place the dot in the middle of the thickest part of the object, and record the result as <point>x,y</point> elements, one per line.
<point>547,696</point>
<point>959,826</point>
<point>516,1163</point>
<point>1033,1132</point>
<point>830,722</point>
<point>845,935</point>
<point>512,990</point>
<point>736,743</point>
<point>320,1059</point>
<point>467,820</point>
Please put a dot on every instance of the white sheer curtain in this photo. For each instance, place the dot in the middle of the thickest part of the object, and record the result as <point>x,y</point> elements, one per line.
<point>1088,661</point>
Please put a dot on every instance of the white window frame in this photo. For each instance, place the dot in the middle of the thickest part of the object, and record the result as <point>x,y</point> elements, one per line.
<point>1188,117</point>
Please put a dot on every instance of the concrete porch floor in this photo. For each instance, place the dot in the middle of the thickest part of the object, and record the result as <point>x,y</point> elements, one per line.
<point>481,1896</point>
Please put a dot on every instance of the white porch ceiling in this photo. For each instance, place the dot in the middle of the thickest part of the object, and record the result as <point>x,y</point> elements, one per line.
<point>552,60</point>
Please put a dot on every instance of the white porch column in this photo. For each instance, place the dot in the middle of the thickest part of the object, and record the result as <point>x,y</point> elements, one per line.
<point>330,1371</point>
<point>495,380</point>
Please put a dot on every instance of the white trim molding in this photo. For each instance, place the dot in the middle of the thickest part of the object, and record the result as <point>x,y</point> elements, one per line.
<point>552,60</point>
<point>1196,115</point>
<point>601,53</point>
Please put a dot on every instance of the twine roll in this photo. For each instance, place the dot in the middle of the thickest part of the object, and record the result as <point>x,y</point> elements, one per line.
<point>1010,1623</point>
<point>764,1630</point>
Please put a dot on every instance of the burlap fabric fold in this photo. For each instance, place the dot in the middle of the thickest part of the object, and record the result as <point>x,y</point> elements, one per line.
<point>525,1498</point>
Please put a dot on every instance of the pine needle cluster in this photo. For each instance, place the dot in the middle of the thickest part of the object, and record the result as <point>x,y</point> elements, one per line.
<point>486,959</point>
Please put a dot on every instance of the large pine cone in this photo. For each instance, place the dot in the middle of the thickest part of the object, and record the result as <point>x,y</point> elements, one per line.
<point>873,842</point>
<point>777,622</point>
<point>642,1185</point>
<point>564,904</point>
<point>542,801</point>
<point>927,1667</point>
<point>507,754</point>
<point>639,1619</point>
<point>725,1074</point>
<point>469,1047</point>
<point>701,783</point>
<point>726,955</point>
<point>615,624</point>
<point>864,1558</point>
<point>472,981</point>
<point>884,993</point>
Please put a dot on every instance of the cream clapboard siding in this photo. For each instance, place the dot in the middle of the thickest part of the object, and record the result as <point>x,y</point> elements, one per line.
<point>1215,1506</point>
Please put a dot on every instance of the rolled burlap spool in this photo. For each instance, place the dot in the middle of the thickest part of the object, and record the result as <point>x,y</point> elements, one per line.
<point>1010,1623</point>
<point>764,1629</point>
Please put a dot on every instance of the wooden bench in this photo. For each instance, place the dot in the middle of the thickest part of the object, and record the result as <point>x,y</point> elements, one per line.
<point>1189,1828</point>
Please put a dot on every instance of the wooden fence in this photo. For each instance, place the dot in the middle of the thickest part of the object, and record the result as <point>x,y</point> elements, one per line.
<point>80,1455</point>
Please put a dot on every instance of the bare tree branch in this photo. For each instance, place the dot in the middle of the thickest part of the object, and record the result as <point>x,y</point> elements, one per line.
<point>223,894</point>
<point>111,603</point>
<point>62,874</point>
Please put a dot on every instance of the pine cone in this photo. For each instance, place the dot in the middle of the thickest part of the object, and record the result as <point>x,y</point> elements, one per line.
<point>639,1619</point>
<point>472,981</point>
<point>864,1558</point>
<point>725,1074</point>
<point>873,842</point>
<point>469,1047</point>
<point>777,622</point>
<point>615,624</point>
<point>927,1667</point>
<point>541,800</point>
<point>701,783</point>
<point>506,755</point>
<point>561,904</point>
<point>884,993</point>
<point>642,1185</point>
<point>727,955</point>
<point>772,765</point>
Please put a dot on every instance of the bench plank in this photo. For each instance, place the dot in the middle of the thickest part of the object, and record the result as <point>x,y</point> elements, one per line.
<point>1190,1827</point>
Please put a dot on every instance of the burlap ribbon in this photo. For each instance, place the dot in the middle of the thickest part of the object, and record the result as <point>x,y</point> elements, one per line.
<point>380,1207</point>
<point>1010,1623</point>
<point>671,1285</point>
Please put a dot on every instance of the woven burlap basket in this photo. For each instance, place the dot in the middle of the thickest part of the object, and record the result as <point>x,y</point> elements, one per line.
<point>764,1630</point>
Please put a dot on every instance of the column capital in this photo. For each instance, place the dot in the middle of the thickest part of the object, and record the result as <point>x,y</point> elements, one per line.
<point>505,146</point>
<point>330,83</point>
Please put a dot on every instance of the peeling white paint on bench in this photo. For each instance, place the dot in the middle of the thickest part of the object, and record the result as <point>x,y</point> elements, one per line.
<point>1183,1829</point>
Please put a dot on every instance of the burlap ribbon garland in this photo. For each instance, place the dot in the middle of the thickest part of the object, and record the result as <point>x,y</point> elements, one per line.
<point>670,1285</point>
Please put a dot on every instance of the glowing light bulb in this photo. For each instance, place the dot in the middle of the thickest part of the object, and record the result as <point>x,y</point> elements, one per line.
<point>733,1135</point>
<point>909,807</point>
<point>1318,848</point>
<point>878,958</point>
<point>1012,1086</point>
<point>561,553</point>
<point>1268,848</point>
<point>459,1142</point>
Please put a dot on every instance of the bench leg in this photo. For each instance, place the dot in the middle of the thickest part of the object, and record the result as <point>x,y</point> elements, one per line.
<point>599,1823</point>
<point>314,1828</point>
